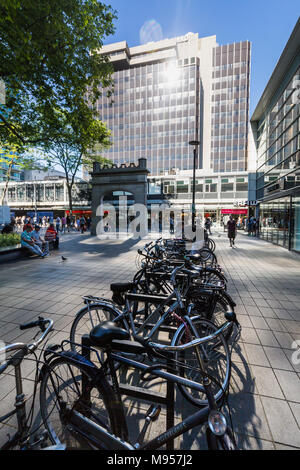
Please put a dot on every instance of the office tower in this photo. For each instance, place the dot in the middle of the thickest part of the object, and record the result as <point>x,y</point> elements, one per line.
<point>173,91</point>
<point>230,107</point>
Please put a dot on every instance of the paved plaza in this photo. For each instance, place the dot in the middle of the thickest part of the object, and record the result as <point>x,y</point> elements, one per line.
<point>264,281</point>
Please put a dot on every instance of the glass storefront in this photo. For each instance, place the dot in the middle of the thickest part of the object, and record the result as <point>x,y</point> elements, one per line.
<point>280,222</point>
<point>295,227</point>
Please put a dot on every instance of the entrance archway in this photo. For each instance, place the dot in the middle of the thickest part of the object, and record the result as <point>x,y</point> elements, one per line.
<point>106,181</point>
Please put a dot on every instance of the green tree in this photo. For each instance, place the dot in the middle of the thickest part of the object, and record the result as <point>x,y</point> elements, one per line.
<point>49,62</point>
<point>72,146</point>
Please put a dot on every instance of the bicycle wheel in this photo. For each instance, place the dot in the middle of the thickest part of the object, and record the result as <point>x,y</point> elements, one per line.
<point>61,388</point>
<point>89,317</point>
<point>211,244</point>
<point>207,257</point>
<point>215,356</point>
<point>212,276</point>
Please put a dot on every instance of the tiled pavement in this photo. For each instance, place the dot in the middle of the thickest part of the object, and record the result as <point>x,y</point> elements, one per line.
<point>264,280</point>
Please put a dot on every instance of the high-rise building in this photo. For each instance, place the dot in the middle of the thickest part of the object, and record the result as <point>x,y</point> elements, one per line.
<point>169,92</point>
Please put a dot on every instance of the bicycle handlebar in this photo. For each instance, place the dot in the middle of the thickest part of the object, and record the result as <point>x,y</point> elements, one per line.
<point>29,348</point>
<point>40,322</point>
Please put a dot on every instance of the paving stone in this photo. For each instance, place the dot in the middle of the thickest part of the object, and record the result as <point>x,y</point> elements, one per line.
<point>256,355</point>
<point>267,307</point>
<point>267,338</point>
<point>266,382</point>
<point>295,407</point>
<point>260,323</point>
<point>290,384</point>
<point>282,422</point>
<point>277,358</point>
<point>284,339</point>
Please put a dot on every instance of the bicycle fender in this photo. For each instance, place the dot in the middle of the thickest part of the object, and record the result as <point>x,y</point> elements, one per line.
<point>73,357</point>
<point>229,299</point>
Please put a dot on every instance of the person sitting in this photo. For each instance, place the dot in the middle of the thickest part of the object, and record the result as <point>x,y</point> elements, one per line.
<point>51,235</point>
<point>28,242</point>
<point>36,237</point>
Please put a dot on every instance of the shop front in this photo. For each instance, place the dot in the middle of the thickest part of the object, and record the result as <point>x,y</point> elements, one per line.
<point>280,221</point>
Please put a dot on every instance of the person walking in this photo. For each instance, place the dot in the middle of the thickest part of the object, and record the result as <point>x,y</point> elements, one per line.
<point>58,224</point>
<point>208,225</point>
<point>82,224</point>
<point>231,228</point>
<point>68,222</point>
<point>63,225</point>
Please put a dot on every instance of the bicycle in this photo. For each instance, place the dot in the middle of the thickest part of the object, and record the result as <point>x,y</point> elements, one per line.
<point>25,438</point>
<point>81,405</point>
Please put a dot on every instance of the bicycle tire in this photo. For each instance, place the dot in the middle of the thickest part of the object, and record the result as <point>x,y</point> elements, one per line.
<point>211,244</point>
<point>109,313</point>
<point>57,427</point>
<point>204,327</point>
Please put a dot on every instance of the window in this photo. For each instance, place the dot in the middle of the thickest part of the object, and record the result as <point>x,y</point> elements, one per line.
<point>226,187</point>
<point>242,186</point>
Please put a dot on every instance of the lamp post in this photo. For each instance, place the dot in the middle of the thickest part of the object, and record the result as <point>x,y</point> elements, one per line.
<point>195,144</point>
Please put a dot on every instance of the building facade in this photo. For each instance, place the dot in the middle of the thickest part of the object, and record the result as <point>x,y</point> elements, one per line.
<point>276,126</point>
<point>16,173</point>
<point>176,90</point>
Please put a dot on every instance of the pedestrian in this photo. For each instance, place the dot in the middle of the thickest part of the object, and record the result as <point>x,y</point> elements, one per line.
<point>231,228</point>
<point>82,224</point>
<point>58,224</point>
<point>208,224</point>
<point>249,226</point>
<point>63,224</point>
<point>68,222</point>
<point>172,225</point>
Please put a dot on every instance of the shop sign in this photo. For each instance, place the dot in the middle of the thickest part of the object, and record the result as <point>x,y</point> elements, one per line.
<point>234,211</point>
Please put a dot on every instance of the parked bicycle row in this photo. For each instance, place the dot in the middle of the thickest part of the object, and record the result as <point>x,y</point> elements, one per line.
<point>174,320</point>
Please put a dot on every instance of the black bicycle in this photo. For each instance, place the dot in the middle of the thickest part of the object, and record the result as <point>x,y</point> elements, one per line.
<point>81,404</point>
<point>25,438</point>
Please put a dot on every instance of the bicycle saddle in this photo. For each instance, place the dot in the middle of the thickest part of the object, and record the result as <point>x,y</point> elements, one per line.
<point>121,287</point>
<point>105,333</point>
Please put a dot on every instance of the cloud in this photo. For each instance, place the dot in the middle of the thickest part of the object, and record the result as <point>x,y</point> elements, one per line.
<point>151,31</point>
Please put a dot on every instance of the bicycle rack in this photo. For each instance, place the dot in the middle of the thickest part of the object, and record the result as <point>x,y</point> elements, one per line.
<point>140,393</point>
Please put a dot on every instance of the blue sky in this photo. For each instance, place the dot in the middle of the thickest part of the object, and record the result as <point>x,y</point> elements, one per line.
<point>266,23</point>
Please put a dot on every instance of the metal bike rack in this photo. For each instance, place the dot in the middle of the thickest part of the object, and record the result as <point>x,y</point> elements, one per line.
<point>138,392</point>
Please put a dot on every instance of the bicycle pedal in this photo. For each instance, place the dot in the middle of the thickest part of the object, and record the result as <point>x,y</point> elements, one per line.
<point>153,412</point>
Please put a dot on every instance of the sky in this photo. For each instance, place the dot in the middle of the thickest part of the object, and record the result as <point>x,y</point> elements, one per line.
<point>268,24</point>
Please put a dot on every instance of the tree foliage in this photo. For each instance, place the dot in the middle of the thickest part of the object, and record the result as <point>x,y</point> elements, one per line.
<point>71,147</point>
<point>49,65</point>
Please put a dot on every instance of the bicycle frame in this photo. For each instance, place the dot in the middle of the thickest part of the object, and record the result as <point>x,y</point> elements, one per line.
<point>98,435</point>
<point>20,403</point>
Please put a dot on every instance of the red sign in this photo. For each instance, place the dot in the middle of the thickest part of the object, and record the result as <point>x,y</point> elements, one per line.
<point>234,211</point>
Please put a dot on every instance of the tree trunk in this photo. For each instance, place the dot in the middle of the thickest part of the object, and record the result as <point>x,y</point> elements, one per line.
<point>69,187</point>
<point>7,181</point>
